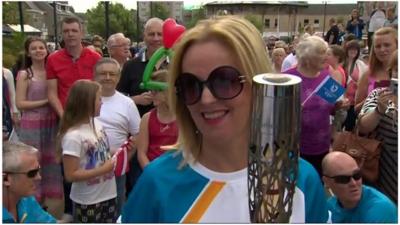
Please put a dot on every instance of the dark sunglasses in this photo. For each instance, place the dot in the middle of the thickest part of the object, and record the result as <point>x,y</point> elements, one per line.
<point>224,82</point>
<point>30,174</point>
<point>345,179</point>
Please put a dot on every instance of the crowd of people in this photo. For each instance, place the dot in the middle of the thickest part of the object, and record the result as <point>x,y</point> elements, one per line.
<point>75,111</point>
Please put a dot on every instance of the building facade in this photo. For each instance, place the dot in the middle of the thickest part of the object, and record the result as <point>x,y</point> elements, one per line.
<point>42,17</point>
<point>281,18</point>
<point>175,9</point>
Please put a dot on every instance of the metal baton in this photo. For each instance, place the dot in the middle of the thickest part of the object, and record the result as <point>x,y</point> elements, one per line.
<point>274,147</point>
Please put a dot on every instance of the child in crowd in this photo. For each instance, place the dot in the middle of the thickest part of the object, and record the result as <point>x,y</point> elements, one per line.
<point>158,127</point>
<point>86,156</point>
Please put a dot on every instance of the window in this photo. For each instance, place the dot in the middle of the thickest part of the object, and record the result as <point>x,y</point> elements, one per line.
<point>316,23</point>
<point>266,23</point>
<point>306,22</point>
<point>276,23</point>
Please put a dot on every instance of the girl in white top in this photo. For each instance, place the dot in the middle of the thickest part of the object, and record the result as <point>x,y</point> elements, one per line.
<point>86,156</point>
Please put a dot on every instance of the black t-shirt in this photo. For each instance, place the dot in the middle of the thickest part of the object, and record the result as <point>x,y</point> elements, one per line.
<point>335,32</point>
<point>131,77</point>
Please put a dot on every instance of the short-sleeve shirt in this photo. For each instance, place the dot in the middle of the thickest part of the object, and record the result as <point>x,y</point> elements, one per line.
<point>387,133</point>
<point>166,193</point>
<point>92,150</point>
<point>374,207</point>
<point>315,127</point>
<point>120,117</point>
<point>29,211</point>
<point>61,66</point>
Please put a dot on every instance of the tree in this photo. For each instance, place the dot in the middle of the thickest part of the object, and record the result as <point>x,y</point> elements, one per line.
<point>256,21</point>
<point>159,10</point>
<point>121,20</point>
<point>11,13</point>
<point>197,14</point>
<point>12,46</point>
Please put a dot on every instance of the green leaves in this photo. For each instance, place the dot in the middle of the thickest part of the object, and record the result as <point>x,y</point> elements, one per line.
<point>197,14</point>
<point>12,46</point>
<point>121,20</point>
<point>11,13</point>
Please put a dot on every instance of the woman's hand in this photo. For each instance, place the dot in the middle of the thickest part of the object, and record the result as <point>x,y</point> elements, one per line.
<point>146,98</point>
<point>16,119</point>
<point>384,96</point>
<point>343,104</point>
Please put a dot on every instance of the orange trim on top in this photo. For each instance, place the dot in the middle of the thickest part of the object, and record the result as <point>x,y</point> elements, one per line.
<point>203,202</point>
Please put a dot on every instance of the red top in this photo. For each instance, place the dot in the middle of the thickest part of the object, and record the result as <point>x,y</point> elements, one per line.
<point>160,134</point>
<point>343,73</point>
<point>60,66</point>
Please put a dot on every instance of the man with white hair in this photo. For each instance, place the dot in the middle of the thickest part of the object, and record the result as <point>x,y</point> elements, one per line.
<point>21,171</point>
<point>132,73</point>
<point>119,115</point>
<point>354,202</point>
<point>132,76</point>
<point>118,48</point>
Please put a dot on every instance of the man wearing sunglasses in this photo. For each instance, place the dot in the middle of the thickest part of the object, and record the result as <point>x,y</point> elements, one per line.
<point>354,202</point>
<point>21,171</point>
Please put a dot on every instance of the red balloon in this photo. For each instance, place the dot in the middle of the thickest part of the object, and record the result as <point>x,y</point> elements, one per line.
<point>171,32</point>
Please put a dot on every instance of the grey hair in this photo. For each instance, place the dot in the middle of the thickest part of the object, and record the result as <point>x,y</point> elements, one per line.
<point>105,60</point>
<point>111,40</point>
<point>12,152</point>
<point>278,50</point>
<point>309,47</point>
<point>151,21</point>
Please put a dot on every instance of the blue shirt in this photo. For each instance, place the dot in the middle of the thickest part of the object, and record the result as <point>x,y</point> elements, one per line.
<point>29,209</point>
<point>374,207</point>
<point>192,194</point>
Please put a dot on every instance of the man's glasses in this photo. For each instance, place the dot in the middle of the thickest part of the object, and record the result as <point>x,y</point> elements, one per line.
<point>345,179</point>
<point>224,82</point>
<point>119,46</point>
<point>111,74</point>
<point>30,174</point>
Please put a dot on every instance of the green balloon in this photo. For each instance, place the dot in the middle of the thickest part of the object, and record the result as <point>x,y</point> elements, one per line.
<point>147,83</point>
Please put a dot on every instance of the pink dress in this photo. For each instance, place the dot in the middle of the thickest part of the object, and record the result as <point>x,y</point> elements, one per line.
<point>39,129</point>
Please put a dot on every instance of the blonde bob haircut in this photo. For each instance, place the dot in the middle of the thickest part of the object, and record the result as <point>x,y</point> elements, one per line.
<point>309,48</point>
<point>245,43</point>
<point>374,63</point>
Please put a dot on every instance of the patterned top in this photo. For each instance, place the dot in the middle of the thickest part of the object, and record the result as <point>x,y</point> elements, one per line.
<point>387,132</point>
<point>315,128</point>
<point>92,149</point>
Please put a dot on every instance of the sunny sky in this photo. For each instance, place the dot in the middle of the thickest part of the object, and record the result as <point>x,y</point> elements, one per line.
<point>83,5</point>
